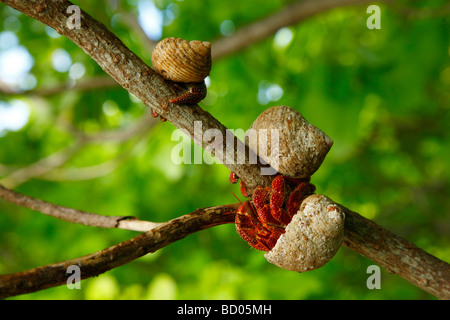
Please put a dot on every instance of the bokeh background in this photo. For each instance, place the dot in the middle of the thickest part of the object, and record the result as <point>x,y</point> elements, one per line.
<point>381,95</point>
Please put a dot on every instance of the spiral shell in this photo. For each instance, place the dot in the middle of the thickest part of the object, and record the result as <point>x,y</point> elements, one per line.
<point>302,146</point>
<point>312,238</point>
<point>180,60</point>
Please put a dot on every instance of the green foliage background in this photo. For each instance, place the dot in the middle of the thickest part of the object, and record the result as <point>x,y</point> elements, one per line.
<point>381,95</point>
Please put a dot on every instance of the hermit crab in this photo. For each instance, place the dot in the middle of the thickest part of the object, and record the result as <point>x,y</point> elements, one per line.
<point>298,230</point>
<point>187,63</point>
<point>263,220</point>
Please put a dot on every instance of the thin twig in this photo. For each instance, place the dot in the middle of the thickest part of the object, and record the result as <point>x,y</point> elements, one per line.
<point>47,167</point>
<point>264,28</point>
<point>97,82</point>
<point>222,47</point>
<point>392,252</point>
<point>74,215</point>
<point>41,166</point>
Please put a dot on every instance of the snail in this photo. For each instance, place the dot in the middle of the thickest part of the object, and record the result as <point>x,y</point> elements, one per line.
<point>312,238</point>
<point>187,63</point>
<point>299,230</point>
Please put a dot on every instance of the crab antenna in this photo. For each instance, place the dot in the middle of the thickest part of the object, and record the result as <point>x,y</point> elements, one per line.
<point>236,197</point>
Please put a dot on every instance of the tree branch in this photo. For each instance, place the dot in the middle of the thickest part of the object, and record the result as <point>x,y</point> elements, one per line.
<point>74,215</point>
<point>287,16</point>
<point>140,80</point>
<point>41,166</point>
<point>48,164</point>
<point>96,263</point>
<point>222,47</point>
<point>390,251</point>
<point>396,255</point>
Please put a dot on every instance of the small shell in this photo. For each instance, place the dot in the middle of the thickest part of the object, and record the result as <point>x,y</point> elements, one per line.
<point>312,238</point>
<point>180,60</point>
<point>302,146</point>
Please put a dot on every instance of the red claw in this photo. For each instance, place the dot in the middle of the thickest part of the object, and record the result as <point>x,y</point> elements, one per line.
<point>252,230</point>
<point>244,189</point>
<point>262,221</point>
<point>195,94</point>
<point>155,115</point>
<point>234,179</point>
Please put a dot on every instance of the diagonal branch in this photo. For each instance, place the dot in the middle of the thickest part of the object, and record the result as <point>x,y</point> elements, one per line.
<point>140,80</point>
<point>264,28</point>
<point>396,254</point>
<point>222,47</point>
<point>392,252</point>
<point>42,166</point>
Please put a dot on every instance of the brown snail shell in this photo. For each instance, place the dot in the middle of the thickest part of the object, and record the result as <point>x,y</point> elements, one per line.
<point>312,238</point>
<point>180,60</point>
<point>302,146</point>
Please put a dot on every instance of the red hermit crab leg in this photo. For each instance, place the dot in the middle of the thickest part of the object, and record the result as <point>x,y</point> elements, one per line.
<point>234,179</point>
<point>252,230</point>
